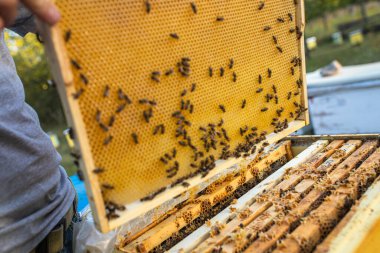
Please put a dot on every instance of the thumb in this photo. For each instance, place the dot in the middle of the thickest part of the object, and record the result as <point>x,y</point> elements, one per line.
<point>44,10</point>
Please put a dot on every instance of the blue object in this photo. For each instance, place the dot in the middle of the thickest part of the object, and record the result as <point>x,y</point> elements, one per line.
<point>81,192</point>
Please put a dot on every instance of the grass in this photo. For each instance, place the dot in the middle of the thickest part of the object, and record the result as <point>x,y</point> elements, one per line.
<point>316,27</point>
<point>346,54</point>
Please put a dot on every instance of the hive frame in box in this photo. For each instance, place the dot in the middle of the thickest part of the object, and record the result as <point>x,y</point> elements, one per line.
<point>60,67</point>
<point>353,233</point>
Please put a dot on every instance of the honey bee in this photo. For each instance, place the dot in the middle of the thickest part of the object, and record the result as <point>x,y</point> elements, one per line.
<point>112,216</point>
<point>193,87</point>
<point>111,121</point>
<point>299,83</point>
<point>219,19</point>
<point>290,16</point>
<point>274,89</point>
<point>135,138</point>
<point>232,62</point>
<point>120,108</point>
<point>259,90</point>
<point>67,35</point>
<point>274,39</point>
<point>182,143</point>
<point>107,140</point>
<point>98,115</point>
<point>83,78</point>
<point>148,7</point>
<point>108,186</point>
<point>264,109</point>
<point>75,64</point>
<point>103,127</point>
<point>292,30</point>
<point>152,102</point>
<point>292,70</point>
<point>220,124</point>
<point>98,170</point>
<point>169,72</point>
<point>210,71</point>
<point>267,28</point>
<point>221,71</point>
<point>194,7</point>
<point>163,160</point>
<point>279,49</point>
<point>261,5</point>
<point>243,103</point>
<point>222,108</point>
<point>280,20</point>
<point>155,76</point>
<point>106,91</point>
<point>260,79</point>
<point>185,184</point>
<point>174,36</point>
<point>234,77</point>
<point>183,93</point>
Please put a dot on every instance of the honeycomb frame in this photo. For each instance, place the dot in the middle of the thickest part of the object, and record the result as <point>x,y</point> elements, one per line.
<point>68,73</point>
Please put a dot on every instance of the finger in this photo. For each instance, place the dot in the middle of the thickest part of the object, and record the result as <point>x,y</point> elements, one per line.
<point>43,9</point>
<point>8,11</point>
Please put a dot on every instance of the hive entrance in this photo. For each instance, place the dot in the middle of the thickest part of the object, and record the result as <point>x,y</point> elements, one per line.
<point>164,88</point>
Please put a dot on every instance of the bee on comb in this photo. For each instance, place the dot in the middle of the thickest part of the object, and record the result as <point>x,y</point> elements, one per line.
<point>77,94</point>
<point>148,6</point>
<point>67,36</point>
<point>222,108</point>
<point>194,8</point>
<point>174,36</point>
<point>261,5</point>
<point>75,64</point>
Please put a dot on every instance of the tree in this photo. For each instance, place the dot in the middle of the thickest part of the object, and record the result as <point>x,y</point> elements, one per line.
<point>33,70</point>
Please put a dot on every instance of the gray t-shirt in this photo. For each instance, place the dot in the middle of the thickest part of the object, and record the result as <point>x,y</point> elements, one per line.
<point>35,192</point>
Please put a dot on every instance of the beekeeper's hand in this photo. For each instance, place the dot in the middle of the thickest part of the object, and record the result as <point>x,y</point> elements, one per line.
<point>45,10</point>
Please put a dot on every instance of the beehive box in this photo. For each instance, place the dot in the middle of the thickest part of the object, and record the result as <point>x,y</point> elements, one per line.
<point>160,92</point>
<point>326,199</point>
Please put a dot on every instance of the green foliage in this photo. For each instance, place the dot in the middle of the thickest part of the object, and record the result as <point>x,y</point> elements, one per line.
<point>318,8</point>
<point>32,68</point>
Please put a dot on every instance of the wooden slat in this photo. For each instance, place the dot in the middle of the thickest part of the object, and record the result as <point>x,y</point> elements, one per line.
<point>308,234</point>
<point>201,234</point>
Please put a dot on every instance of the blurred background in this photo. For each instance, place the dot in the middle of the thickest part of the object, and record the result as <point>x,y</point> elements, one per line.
<point>347,31</point>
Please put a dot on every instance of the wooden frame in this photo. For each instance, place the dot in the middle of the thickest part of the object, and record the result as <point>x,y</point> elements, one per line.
<point>60,66</point>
